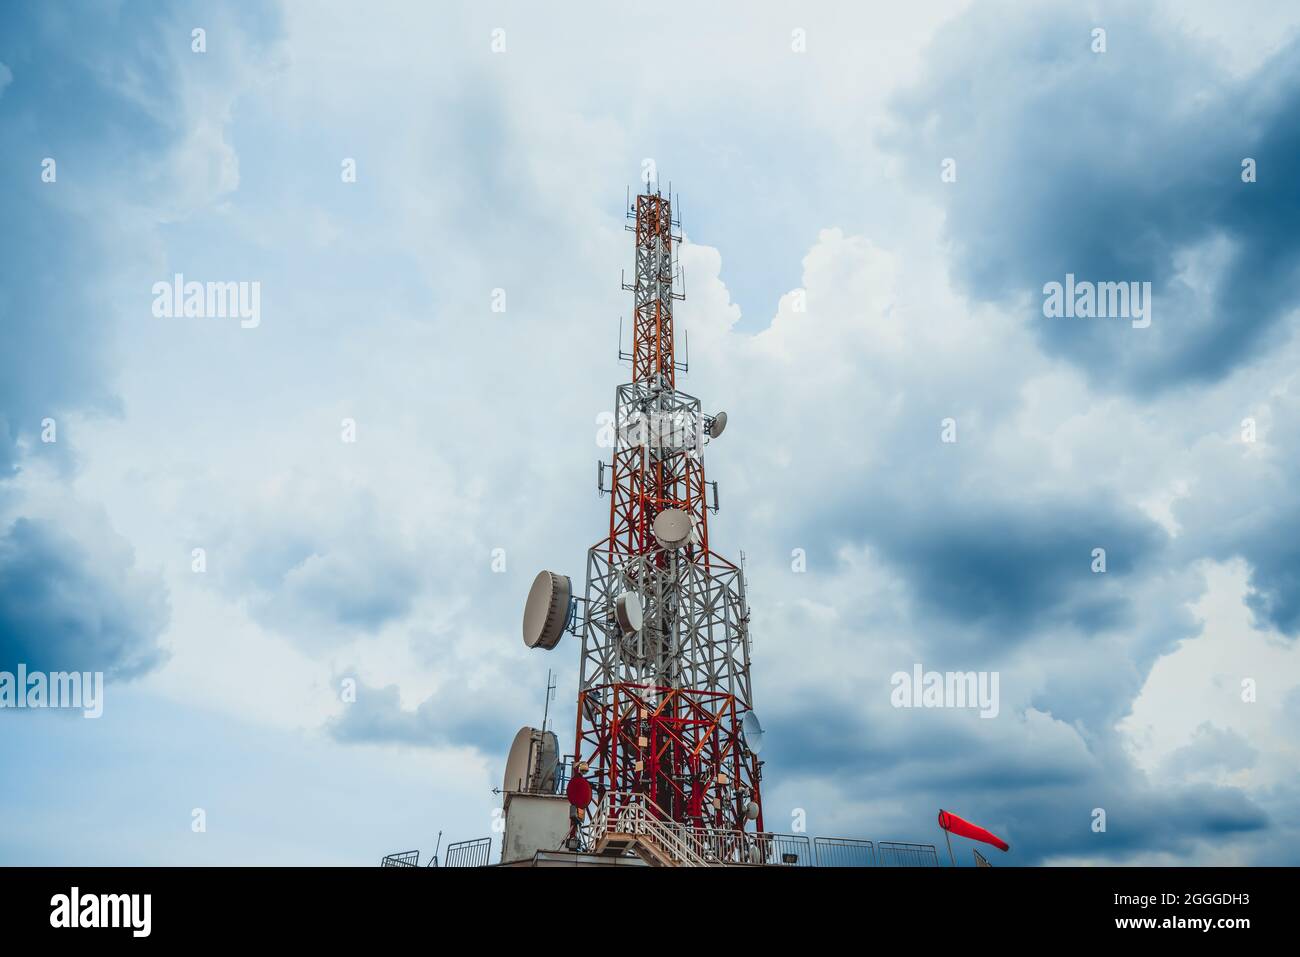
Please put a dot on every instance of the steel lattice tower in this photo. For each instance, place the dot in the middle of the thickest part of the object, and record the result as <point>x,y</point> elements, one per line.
<point>660,709</point>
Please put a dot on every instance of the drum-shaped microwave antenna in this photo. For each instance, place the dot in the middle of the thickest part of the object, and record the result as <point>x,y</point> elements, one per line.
<point>672,528</point>
<point>547,610</point>
<point>753,731</point>
<point>627,609</point>
<point>717,424</point>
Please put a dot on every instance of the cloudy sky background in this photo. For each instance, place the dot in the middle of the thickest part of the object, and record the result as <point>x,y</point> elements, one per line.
<point>817,171</point>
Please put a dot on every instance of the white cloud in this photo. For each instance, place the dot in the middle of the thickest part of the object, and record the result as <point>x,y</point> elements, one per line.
<point>1200,683</point>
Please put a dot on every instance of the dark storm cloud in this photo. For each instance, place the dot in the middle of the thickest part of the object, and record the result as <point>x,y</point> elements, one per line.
<point>1271,547</point>
<point>52,329</point>
<point>1018,568</point>
<point>1012,568</point>
<point>1274,554</point>
<point>51,319</point>
<point>906,750</point>
<point>1253,513</point>
<point>1038,793</point>
<point>99,95</point>
<point>1114,166</point>
<point>1139,818</point>
<point>65,605</point>
<point>67,601</point>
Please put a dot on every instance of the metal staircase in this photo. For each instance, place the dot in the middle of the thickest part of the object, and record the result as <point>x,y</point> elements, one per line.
<point>629,823</point>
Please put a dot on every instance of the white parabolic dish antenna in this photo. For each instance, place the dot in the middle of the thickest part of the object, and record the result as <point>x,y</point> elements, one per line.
<point>672,528</point>
<point>534,758</point>
<point>628,611</point>
<point>753,731</point>
<point>546,610</point>
<point>518,765</point>
<point>718,424</point>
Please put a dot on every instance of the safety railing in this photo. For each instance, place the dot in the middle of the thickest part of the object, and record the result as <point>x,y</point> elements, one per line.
<point>843,852</point>
<point>786,850</point>
<point>744,847</point>
<point>635,814</point>
<point>895,854</point>
<point>473,853</point>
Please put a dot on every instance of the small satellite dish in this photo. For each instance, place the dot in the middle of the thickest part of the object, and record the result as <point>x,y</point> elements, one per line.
<point>753,731</point>
<point>672,528</point>
<point>546,610</point>
<point>717,424</point>
<point>751,811</point>
<point>627,609</point>
<point>579,791</point>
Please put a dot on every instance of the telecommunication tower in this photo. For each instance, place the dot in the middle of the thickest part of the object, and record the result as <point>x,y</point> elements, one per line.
<point>665,702</point>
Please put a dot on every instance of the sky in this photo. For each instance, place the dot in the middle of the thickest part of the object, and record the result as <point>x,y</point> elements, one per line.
<point>920,464</point>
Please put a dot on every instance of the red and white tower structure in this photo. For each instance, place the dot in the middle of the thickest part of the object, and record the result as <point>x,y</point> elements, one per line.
<point>665,703</point>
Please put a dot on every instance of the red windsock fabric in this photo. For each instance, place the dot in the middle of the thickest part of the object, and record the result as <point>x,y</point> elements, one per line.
<point>951,822</point>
